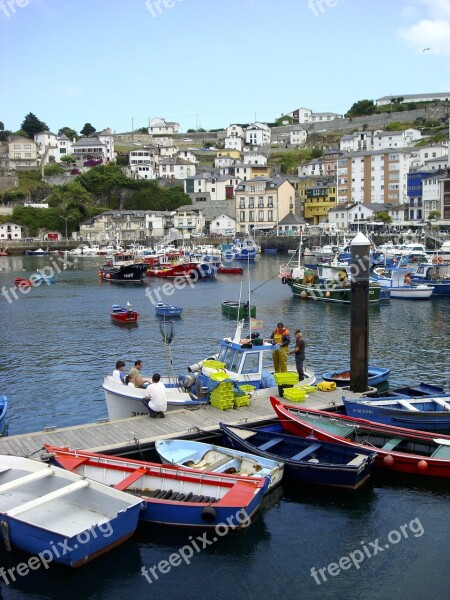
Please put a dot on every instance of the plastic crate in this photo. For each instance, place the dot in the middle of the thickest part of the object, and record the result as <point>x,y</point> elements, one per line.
<point>295,394</point>
<point>309,389</point>
<point>218,376</point>
<point>289,377</point>
<point>242,400</point>
<point>248,389</point>
<point>213,364</point>
<point>222,404</point>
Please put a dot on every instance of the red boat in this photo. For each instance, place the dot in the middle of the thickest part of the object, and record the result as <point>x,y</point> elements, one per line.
<point>170,271</point>
<point>22,282</point>
<point>230,270</point>
<point>4,252</point>
<point>398,449</point>
<point>119,314</point>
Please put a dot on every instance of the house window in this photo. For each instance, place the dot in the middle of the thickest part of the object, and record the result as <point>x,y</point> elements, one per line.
<point>242,203</point>
<point>260,215</point>
<point>260,202</point>
<point>242,215</point>
<point>251,202</point>
<point>27,146</point>
<point>251,216</point>
<point>270,215</point>
<point>270,201</point>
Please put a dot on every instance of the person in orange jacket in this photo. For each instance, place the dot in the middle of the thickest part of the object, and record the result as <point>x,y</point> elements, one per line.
<point>281,337</point>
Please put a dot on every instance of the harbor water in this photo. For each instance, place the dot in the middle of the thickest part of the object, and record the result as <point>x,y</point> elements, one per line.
<point>391,537</point>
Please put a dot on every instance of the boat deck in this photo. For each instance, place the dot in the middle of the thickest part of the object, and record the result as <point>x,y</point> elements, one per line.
<point>107,435</point>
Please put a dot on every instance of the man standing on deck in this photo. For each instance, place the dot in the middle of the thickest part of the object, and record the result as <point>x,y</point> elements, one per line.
<point>281,337</point>
<point>299,352</point>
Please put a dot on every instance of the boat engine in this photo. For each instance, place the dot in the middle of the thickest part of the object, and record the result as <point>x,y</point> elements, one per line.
<point>185,382</point>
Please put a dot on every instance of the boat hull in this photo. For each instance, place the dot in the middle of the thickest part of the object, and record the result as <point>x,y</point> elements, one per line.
<point>172,495</point>
<point>132,273</point>
<point>167,310</point>
<point>376,376</point>
<point>323,293</point>
<point>238,310</point>
<point>427,458</point>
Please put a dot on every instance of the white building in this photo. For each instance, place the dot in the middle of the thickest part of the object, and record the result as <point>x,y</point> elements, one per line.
<point>257,134</point>
<point>223,161</point>
<point>306,115</point>
<point>445,96</point>
<point>254,158</point>
<point>175,168</point>
<point>395,139</point>
<point>297,135</point>
<point>107,138</point>
<point>10,231</point>
<point>219,187</point>
<point>188,219</point>
<point>223,225</point>
<point>233,143</point>
<point>354,142</point>
<point>235,131</point>
<point>159,126</point>
<point>432,189</point>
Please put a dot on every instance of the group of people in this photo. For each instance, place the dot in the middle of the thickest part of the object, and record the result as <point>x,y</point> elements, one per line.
<point>281,336</point>
<point>155,399</point>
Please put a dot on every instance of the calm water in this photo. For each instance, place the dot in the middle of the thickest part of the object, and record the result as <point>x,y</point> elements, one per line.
<point>57,342</point>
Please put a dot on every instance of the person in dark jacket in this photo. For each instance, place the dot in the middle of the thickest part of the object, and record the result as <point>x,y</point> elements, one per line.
<point>299,352</point>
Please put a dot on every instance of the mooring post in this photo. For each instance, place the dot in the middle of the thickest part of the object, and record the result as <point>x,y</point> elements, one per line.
<point>359,327</point>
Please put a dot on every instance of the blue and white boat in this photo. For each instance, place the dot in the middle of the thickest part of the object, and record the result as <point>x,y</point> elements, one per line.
<point>38,252</point>
<point>436,274</point>
<point>68,519</point>
<point>168,310</point>
<point>425,414</point>
<point>241,359</point>
<point>246,249</point>
<point>38,278</point>
<point>396,281</point>
<point>217,459</point>
<point>376,375</point>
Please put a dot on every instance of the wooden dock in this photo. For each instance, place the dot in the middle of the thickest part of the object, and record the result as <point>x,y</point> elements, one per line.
<point>135,431</point>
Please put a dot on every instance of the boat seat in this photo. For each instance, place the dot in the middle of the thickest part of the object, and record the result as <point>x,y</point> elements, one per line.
<point>305,452</point>
<point>407,405</point>
<point>390,445</point>
<point>64,491</point>
<point>131,478</point>
<point>5,487</point>
<point>358,460</point>
<point>441,452</point>
<point>445,405</point>
<point>220,463</point>
<point>270,444</point>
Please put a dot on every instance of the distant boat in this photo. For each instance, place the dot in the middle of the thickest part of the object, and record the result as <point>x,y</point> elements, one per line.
<point>120,314</point>
<point>38,252</point>
<point>394,280</point>
<point>168,310</point>
<point>217,459</point>
<point>238,310</point>
<point>426,413</point>
<point>21,282</point>
<point>123,268</point>
<point>39,278</point>
<point>376,375</point>
<point>305,459</point>
<point>4,252</point>
<point>172,495</point>
<point>43,508</point>
<point>229,270</point>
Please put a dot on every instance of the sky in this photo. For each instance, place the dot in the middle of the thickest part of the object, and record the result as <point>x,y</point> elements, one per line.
<point>211,63</point>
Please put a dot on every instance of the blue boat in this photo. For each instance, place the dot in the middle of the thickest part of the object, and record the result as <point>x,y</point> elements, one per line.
<point>60,516</point>
<point>423,414</point>
<point>38,278</point>
<point>376,375</point>
<point>246,249</point>
<point>168,310</point>
<point>305,459</point>
<point>3,411</point>
<point>436,274</point>
<point>415,390</point>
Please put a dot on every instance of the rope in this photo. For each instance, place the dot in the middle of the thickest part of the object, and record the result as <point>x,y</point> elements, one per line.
<point>264,283</point>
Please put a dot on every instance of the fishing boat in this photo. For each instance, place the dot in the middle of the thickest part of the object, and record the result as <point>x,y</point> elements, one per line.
<point>425,414</point>
<point>3,412</point>
<point>397,282</point>
<point>397,448</point>
<point>122,267</point>
<point>181,268</point>
<point>168,310</point>
<point>376,375</point>
<point>216,459</point>
<point>413,390</point>
<point>238,310</point>
<point>60,516</point>
<point>172,495</point>
<point>243,360</point>
<point>306,460</point>
<point>38,252</point>
<point>246,249</point>
<point>121,314</point>
<point>21,282</point>
<point>434,273</point>
<point>222,270</point>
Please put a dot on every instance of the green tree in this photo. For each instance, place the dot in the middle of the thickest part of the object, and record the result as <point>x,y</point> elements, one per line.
<point>68,131</point>
<point>32,125</point>
<point>2,126</point>
<point>54,169</point>
<point>384,216</point>
<point>87,129</point>
<point>434,214</point>
<point>361,109</point>
<point>69,159</point>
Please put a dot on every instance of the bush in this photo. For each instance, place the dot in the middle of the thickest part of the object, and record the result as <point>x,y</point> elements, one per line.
<point>53,169</point>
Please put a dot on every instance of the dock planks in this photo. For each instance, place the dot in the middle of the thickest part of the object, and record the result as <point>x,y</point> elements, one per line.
<point>110,435</point>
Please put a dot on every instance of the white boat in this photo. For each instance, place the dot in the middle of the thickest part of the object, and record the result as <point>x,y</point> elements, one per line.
<point>60,516</point>
<point>444,251</point>
<point>394,280</point>
<point>217,459</point>
<point>244,362</point>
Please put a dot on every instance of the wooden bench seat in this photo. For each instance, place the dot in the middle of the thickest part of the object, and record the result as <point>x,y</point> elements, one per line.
<point>306,452</point>
<point>270,444</point>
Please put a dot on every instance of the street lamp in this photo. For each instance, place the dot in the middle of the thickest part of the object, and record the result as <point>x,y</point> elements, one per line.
<point>65,219</point>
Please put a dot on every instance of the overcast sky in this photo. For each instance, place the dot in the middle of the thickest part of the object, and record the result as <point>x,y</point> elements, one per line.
<point>210,63</point>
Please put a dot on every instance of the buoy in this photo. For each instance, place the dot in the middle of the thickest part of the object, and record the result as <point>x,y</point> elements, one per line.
<point>388,460</point>
<point>327,294</point>
<point>209,514</point>
<point>303,294</point>
<point>422,465</point>
<point>108,276</point>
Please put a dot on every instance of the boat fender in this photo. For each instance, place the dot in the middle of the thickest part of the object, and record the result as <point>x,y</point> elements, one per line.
<point>438,260</point>
<point>209,514</point>
<point>283,280</point>
<point>5,533</point>
<point>422,465</point>
<point>46,456</point>
<point>388,460</point>
<point>342,276</point>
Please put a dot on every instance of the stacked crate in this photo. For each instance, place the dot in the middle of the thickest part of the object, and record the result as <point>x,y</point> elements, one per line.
<point>222,397</point>
<point>294,394</point>
<point>285,380</point>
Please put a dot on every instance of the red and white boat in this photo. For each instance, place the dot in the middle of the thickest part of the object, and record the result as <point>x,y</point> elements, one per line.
<point>222,270</point>
<point>21,282</point>
<point>398,449</point>
<point>121,314</point>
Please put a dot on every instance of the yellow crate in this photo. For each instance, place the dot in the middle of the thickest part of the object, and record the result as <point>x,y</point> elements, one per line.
<point>308,389</point>
<point>219,376</point>
<point>247,388</point>
<point>294,394</point>
<point>213,364</point>
<point>242,400</point>
<point>224,405</point>
<point>288,378</point>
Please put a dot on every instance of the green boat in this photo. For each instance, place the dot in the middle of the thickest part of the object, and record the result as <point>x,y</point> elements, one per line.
<point>238,310</point>
<point>305,284</point>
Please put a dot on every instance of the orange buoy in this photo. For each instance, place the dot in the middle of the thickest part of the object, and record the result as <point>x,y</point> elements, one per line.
<point>422,465</point>
<point>388,460</point>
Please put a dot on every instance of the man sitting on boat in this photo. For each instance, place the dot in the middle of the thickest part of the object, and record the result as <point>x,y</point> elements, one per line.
<point>281,337</point>
<point>155,397</point>
<point>135,375</point>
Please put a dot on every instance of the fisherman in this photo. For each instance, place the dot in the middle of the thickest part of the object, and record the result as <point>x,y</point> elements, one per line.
<point>281,337</point>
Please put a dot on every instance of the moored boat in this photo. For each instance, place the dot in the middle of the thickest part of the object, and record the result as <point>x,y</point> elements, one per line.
<point>49,512</point>
<point>23,283</point>
<point>396,280</point>
<point>4,252</point>
<point>168,310</point>
<point>121,267</point>
<point>217,459</point>
<point>38,252</point>
<point>306,460</point>
<point>397,448</point>
<point>425,414</point>
<point>172,495</point>
<point>238,310</point>
<point>121,314</point>
<point>376,375</point>
<point>435,274</point>
<point>222,270</point>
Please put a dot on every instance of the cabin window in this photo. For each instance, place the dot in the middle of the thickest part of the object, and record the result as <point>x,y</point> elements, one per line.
<point>251,363</point>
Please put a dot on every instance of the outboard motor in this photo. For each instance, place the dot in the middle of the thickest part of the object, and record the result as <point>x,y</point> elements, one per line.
<point>185,382</point>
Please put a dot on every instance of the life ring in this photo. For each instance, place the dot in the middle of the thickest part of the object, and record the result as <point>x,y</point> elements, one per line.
<point>283,280</point>
<point>438,260</point>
